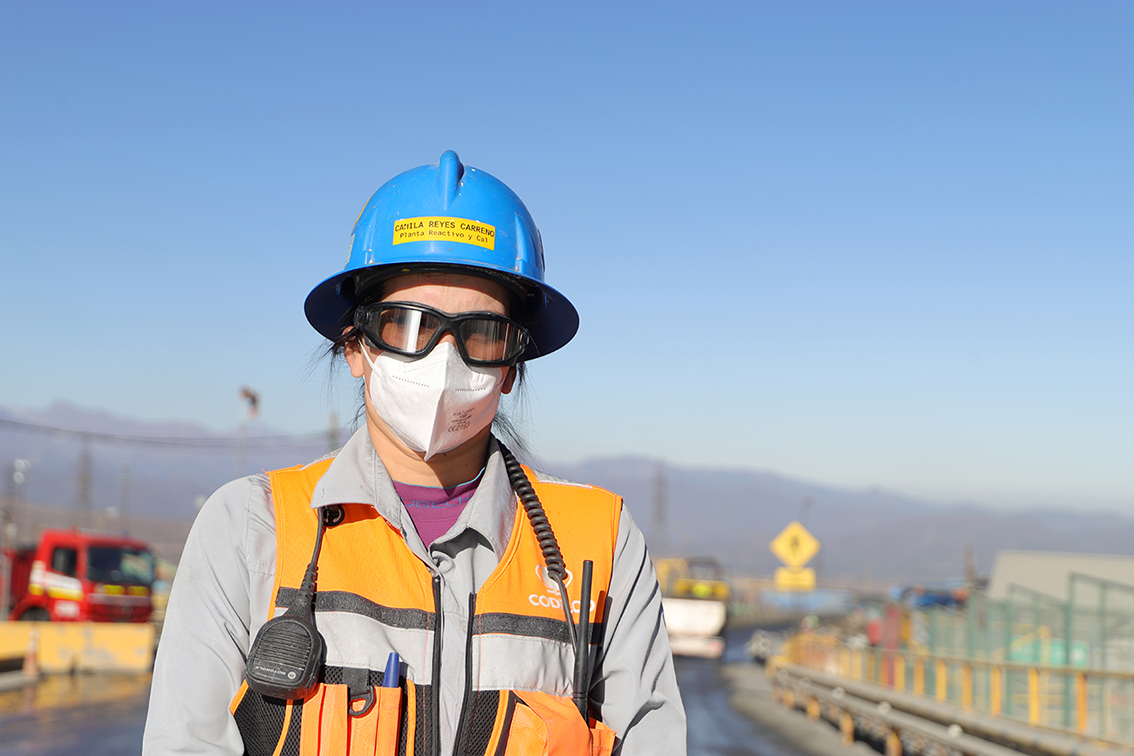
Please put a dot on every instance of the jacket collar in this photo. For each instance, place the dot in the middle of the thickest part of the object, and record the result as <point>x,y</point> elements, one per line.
<point>357,476</point>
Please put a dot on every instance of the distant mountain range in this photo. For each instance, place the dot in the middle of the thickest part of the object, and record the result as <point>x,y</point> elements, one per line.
<point>730,514</point>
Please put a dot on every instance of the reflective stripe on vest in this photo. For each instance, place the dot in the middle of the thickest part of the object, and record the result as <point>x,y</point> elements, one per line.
<point>517,704</point>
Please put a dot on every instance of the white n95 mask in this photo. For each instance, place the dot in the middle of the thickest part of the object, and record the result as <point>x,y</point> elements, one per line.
<point>436,403</point>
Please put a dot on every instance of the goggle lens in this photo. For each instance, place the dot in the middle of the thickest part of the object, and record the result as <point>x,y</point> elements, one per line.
<point>413,330</point>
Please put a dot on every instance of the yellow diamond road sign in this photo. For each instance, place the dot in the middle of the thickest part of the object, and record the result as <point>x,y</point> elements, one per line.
<point>794,545</point>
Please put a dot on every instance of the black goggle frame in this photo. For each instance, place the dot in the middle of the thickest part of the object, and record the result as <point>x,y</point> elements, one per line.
<point>367,320</point>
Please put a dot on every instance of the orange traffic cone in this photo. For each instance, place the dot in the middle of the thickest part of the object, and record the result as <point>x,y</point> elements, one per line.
<point>31,660</point>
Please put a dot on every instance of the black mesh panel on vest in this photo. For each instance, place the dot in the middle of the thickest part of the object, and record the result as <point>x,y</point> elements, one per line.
<point>402,726</point>
<point>480,721</point>
<point>423,699</point>
<point>260,720</point>
<point>291,741</point>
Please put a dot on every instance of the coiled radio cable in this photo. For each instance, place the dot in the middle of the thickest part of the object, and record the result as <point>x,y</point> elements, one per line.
<point>557,571</point>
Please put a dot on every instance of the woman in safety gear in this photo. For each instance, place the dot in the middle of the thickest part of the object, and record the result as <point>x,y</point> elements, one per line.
<point>418,591</point>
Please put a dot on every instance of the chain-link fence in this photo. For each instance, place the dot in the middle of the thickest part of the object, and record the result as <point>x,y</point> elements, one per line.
<point>1038,658</point>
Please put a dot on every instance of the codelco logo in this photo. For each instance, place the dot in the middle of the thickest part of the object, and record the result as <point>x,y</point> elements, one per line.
<point>552,598</point>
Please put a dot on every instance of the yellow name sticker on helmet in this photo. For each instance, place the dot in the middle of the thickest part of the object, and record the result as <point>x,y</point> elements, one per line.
<point>436,228</point>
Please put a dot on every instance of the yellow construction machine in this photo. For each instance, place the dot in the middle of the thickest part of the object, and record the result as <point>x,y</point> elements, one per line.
<point>695,603</point>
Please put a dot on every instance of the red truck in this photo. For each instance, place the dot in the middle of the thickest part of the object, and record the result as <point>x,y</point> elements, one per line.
<point>81,576</point>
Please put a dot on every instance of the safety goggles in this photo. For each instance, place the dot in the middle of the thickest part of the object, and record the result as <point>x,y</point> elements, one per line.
<point>484,339</point>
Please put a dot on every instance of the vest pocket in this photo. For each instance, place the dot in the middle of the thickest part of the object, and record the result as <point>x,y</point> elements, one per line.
<point>534,722</point>
<point>334,725</point>
<point>375,733</point>
<point>364,722</point>
<point>324,727</point>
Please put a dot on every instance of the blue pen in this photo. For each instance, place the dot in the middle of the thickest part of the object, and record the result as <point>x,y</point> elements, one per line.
<point>393,673</point>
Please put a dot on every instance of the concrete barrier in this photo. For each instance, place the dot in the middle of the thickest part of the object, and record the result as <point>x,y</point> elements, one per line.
<point>80,646</point>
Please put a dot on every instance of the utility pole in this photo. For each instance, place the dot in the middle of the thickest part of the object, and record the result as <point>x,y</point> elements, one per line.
<point>124,512</point>
<point>10,498</point>
<point>333,432</point>
<point>661,523</point>
<point>8,517</point>
<point>18,504</point>
<point>83,485</point>
<point>252,400</point>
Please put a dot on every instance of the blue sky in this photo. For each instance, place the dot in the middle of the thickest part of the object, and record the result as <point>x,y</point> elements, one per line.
<point>863,243</point>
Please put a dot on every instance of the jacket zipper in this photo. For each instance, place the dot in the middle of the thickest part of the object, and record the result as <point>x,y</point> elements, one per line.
<point>462,736</point>
<point>437,667</point>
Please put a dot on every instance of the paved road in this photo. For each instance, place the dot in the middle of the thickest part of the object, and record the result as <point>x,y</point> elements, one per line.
<point>104,715</point>
<point>715,728</point>
<point>731,712</point>
<point>99,715</point>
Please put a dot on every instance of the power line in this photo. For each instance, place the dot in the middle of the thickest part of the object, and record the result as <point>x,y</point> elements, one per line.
<point>216,442</point>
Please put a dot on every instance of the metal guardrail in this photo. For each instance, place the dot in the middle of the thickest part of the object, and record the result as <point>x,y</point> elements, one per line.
<point>895,730</point>
<point>1101,705</point>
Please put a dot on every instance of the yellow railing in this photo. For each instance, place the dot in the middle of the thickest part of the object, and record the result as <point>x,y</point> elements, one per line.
<point>1089,702</point>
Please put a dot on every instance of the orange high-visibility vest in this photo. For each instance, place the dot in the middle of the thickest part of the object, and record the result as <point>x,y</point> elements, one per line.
<point>374,595</point>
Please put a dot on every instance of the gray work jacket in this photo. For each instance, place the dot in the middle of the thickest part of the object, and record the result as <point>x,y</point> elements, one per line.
<point>222,595</point>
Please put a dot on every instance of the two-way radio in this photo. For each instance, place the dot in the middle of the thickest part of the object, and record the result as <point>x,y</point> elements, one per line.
<point>287,655</point>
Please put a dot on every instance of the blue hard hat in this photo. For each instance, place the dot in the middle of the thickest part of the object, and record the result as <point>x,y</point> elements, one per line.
<point>443,217</point>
